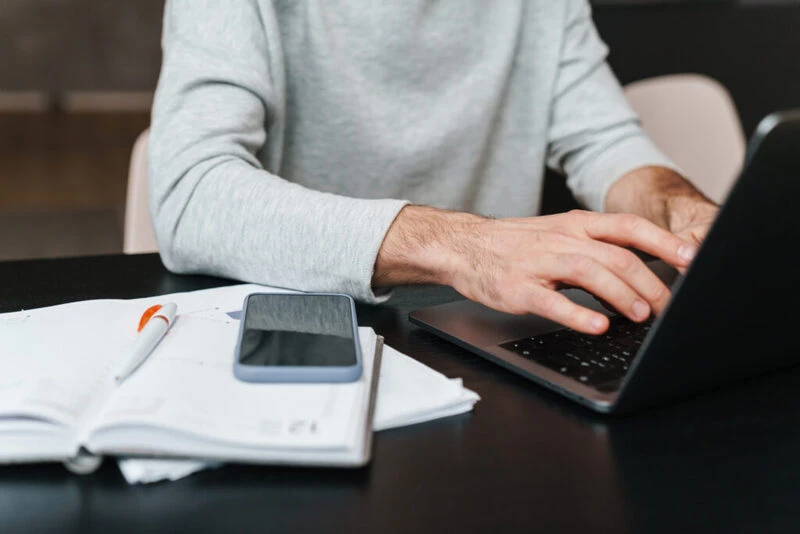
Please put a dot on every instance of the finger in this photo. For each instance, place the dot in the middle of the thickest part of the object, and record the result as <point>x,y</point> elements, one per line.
<point>632,270</point>
<point>633,231</point>
<point>584,271</point>
<point>556,307</point>
<point>695,235</point>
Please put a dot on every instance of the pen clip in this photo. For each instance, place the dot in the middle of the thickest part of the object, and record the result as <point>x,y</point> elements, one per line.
<point>147,315</point>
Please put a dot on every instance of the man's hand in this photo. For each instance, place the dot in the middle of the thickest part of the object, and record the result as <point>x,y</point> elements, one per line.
<point>665,198</point>
<point>517,265</point>
<point>690,219</point>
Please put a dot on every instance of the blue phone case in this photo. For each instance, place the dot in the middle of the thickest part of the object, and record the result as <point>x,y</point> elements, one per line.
<point>298,374</point>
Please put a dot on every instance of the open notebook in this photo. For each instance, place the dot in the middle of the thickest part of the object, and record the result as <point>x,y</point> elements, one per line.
<point>58,394</point>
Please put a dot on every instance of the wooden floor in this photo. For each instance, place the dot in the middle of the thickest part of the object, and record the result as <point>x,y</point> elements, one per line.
<point>62,182</point>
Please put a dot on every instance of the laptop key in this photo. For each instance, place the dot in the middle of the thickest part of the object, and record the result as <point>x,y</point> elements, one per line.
<point>564,358</point>
<point>598,361</point>
<point>627,342</point>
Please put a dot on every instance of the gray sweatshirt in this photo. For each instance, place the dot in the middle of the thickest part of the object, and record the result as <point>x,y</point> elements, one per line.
<point>287,134</point>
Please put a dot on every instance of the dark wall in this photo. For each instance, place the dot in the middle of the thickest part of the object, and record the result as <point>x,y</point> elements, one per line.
<point>753,51</point>
<point>752,47</point>
<point>59,45</point>
<point>62,45</point>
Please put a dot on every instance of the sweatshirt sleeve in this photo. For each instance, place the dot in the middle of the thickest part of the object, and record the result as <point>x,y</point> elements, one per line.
<point>215,209</point>
<point>594,136</point>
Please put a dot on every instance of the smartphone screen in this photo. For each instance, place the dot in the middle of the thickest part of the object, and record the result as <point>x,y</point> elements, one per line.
<point>298,331</point>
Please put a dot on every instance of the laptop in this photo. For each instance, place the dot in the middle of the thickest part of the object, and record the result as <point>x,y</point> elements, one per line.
<point>735,314</point>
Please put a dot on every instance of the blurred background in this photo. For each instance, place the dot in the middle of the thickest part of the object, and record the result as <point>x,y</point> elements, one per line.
<point>77,77</point>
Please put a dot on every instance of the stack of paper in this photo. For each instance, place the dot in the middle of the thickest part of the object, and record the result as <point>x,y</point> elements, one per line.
<point>58,396</point>
<point>408,393</point>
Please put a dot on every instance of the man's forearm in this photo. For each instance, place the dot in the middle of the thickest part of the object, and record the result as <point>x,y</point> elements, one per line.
<point>420,246</point>
<point>658,194</point>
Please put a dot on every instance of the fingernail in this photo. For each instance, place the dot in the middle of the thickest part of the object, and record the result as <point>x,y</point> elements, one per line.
<point>687,252</point>
<point>597,323</point>
<point>641,310</point>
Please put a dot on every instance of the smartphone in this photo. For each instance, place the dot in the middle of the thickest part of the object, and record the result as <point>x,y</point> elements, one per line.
<point>299,337</point>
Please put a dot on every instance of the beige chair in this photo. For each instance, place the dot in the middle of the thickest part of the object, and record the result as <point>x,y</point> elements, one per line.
<point>139,236</point>
<point>692,118</point>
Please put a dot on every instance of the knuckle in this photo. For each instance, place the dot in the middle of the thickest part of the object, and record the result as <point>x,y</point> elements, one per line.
<point>619,296</point>
<point>558,238</point>
<point>547,303</point>
<point>501,297</point>
<point>630,222</point>
<point>508,289</point>
<point>579,216</point>
<point>666,241</point>
<point>616,288</point>
<point>659,293</point>
<point>625,260</point>
<point>579,265</point>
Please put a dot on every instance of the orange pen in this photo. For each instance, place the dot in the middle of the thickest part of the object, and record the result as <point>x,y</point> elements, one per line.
<point>153,325</point>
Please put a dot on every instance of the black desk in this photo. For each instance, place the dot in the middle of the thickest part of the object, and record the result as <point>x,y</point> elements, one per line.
<point>524,460</point>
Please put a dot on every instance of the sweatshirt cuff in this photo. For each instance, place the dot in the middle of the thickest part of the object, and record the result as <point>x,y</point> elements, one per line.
<point>376,216</point>
<point>592,183</point>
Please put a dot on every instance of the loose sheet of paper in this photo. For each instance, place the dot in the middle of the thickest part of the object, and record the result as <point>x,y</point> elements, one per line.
<point>409,392</point>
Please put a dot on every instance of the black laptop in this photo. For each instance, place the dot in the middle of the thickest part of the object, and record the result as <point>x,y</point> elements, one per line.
<point>735,314</point>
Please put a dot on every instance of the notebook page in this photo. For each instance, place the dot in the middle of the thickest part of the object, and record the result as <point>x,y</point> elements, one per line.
<point>53,360</point>
<point>187,384</point>
<point>56,362</point>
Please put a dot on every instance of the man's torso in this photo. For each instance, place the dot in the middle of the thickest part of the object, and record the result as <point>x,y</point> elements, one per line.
<point>444,103</point>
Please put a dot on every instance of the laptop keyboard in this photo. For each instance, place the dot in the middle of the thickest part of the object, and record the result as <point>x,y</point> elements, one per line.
<point>598,361</point>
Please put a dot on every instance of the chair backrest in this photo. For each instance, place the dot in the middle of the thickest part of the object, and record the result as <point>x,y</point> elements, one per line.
<point>139,236</point>
<point>692,119</point>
